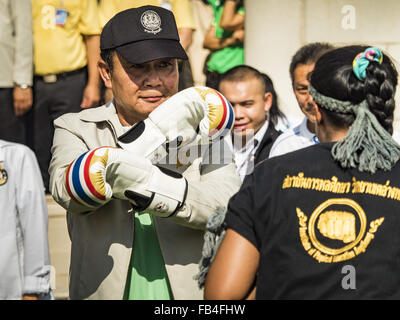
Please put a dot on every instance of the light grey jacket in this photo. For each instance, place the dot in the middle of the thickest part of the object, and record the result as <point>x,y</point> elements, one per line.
<point>24,250</point>
<point>102,239</point>
<point>16,44</point>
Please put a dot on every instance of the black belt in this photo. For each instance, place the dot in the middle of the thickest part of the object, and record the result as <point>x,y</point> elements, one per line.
<point>50,78</point>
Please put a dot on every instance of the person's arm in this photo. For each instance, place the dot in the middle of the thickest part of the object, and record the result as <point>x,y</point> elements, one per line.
<point>33,219</point>
<point>210,184</point>
<point>23,57</point>
<point>231,19</point>
<point>212,178</point>
<point>67,146</point>
<point>185,37</point>
<point>213,43</point>
<point>183,13</point>
<point>91,94</point>
<point>125,171</point>
<point>233,271</point>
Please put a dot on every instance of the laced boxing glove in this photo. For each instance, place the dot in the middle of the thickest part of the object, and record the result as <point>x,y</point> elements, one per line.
<point>100,174</point>
<point>198,113</point>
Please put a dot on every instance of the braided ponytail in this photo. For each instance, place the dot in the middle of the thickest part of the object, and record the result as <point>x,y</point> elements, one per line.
<point>379,88</point>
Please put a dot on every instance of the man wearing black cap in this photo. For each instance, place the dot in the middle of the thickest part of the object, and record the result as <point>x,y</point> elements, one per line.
<point>136,227</point>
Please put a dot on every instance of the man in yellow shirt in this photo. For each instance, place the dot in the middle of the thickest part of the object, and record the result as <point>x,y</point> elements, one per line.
<point>66,79</point>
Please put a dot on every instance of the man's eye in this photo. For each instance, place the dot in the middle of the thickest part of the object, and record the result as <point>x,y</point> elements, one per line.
<point>302,91</point>
<point>247,104</point>
<point>165,64</point>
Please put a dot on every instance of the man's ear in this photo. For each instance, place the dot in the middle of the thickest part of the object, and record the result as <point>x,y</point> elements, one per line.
<point>267,101</point>
<point>318,113</point>
<point>105,73</point>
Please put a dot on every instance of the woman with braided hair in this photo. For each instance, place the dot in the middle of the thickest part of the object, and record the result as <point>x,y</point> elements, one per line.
<point>325,225</point>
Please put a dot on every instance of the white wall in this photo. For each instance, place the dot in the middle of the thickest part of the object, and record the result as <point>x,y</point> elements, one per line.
<point>275,29</point>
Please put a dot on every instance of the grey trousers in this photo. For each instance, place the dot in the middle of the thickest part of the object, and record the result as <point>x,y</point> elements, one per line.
<point>12,128</point>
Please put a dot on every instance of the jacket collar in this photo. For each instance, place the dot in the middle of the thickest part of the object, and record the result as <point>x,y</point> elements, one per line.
<point>105,113</point>
<point>268,139</point>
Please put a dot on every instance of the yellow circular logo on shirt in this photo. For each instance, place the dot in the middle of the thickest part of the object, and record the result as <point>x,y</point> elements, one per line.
<point>3,176</point>
<point>327,223</point>
<point>337,225</point>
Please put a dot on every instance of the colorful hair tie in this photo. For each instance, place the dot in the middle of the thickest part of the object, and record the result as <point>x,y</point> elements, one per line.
<point>362,60</point>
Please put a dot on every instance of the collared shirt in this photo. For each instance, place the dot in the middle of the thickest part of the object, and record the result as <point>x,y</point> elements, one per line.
<point>244,157</point>
<point>59,42</point>
<point>293,139</point>
<point>24,251</point>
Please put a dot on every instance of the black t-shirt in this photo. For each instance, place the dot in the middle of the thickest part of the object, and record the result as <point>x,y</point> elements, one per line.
<point>323,232</point>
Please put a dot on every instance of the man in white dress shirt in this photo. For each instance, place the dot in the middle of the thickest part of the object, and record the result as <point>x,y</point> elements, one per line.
<point>24,250</point>
<point>303,135</point>
<point>254,131</point>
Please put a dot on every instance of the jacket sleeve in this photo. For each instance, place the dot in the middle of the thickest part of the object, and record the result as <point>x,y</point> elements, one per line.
<point>23,57</point>
<point>67,146</point>
<point>33,220</point>
<point>213,186</point>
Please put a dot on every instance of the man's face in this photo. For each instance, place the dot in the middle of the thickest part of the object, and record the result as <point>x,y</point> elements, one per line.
<point>300,87</point>
<point>250,104</point>
<point>140,88</point>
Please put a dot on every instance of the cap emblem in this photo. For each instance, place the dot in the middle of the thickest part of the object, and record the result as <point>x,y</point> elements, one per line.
<point>151,22</point>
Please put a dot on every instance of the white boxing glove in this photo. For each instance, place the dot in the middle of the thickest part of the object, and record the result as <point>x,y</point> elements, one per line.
<point>100,174</point>
<point>196,112</point>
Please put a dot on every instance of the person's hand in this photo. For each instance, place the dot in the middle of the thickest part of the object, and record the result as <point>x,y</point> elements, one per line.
<point>91,97</point>
<point>22,100</point>
<point>238,35</point>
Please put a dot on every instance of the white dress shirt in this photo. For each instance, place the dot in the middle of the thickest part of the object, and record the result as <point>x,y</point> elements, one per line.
<point>293,139</point>
<point>24,251</point>
<point>244,157</point>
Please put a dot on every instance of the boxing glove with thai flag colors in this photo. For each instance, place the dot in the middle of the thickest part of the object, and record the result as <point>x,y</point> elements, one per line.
<point>197,114</point>
<point>100,174</point>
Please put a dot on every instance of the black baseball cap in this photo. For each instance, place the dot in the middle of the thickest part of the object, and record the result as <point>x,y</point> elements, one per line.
<point>143,34</point>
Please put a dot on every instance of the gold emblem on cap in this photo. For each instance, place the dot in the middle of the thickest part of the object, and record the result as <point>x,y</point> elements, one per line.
<point>3,176</point>
<point>151,22</point>
<point>336,225</point>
